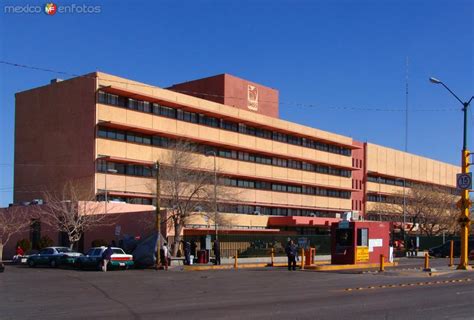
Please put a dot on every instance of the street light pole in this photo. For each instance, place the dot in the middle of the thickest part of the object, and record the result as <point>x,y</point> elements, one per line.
<point>213,153</point>
<point>464,219</point>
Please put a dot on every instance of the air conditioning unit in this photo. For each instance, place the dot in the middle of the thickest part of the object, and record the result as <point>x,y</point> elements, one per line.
<point>37,201</point>
<point>347,216</point>
<point>356,216</point>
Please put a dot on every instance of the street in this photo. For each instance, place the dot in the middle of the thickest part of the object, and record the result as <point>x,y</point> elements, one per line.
<point>44,293</point>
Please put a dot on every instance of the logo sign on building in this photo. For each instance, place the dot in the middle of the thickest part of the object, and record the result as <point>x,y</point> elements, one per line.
<point>464,181</point>
<point>252,97</point>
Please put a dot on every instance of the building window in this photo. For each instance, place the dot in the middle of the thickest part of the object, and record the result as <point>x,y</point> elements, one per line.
<point>294,164</point>
<point>279,187</point>
<point>229,125</point>
<point>279,162</point>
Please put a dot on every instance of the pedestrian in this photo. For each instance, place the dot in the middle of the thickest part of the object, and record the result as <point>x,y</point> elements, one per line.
<point>291,254</point>
<point>106,256</point>
<point>217,251</point>
<point>187,253</point>
<point>412,247</point>
<point>165,255</point>
<point>18,255</point>
<point>20,252</point>
<point>390,251</point>
<point>193,248</point>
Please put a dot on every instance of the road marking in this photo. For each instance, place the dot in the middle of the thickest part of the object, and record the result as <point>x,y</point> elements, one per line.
<point>400,285</point>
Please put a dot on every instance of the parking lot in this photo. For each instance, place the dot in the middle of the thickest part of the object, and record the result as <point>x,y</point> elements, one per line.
<point>46,293</point>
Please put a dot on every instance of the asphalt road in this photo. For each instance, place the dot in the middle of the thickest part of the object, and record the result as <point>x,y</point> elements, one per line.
<point>43,293</point>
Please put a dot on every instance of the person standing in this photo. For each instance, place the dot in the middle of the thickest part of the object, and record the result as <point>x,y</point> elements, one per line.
<point>106,256</point>
<point>20,252</point>
<point>193,248</point>
<point>390,251</point>
<point>412,247</point>
<point>187,253</point>
<point>217,251</point>
<point>291,254</point>
<point>165,255</point>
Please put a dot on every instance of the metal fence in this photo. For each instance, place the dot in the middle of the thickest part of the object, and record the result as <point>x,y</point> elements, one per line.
<point>260,245</point>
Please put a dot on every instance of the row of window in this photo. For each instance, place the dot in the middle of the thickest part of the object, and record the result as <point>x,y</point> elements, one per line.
<point>383,198</point>
<point>409,184</point>
<point>263,185</point>
<point>393,182</point>
<point>124,168</point>
<point>147,201</point>
<point>241,209</point>
<point>273,211</point>
<point>165,142</point>
<point>160,110</point>
<point>145,171</point>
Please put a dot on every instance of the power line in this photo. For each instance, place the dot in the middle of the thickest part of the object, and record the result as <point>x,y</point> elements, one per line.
<point>194,93</point>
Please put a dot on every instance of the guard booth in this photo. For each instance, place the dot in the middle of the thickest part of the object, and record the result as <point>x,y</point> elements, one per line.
<point>359,242</point>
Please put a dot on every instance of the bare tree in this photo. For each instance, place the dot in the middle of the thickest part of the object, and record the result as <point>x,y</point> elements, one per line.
<point>73,212</point>
<point>13,220</point>
<point>186,189</point>
<point>430,208</point>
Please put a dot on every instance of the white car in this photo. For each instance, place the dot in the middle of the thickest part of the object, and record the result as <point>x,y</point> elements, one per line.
<point>93,259</point>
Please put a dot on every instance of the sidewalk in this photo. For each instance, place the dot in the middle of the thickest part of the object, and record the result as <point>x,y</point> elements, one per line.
<point>256,262</point>
<point>279,259</point>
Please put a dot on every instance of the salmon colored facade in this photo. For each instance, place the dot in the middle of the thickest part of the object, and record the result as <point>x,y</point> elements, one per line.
<point>79,128</point>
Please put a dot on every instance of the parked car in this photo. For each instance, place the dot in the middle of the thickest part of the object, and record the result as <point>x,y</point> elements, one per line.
<point>471,255</point>
<point>53,256</point>
<point>93,259</point>
<point>443,250</point>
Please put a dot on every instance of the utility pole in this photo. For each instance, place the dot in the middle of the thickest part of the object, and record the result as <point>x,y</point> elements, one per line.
<point>465,203</point>
<point>158,216</point>
<point>215,196</point>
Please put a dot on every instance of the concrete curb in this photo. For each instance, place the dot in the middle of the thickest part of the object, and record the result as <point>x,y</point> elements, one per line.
<point>337,267</point>
<point>242,266</point>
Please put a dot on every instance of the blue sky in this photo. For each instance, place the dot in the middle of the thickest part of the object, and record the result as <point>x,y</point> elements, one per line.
<point>328,54</point>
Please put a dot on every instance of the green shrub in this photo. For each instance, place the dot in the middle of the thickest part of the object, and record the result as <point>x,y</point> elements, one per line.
<point>44,242</point>
<point>25,244</point>
<point>99,243</point>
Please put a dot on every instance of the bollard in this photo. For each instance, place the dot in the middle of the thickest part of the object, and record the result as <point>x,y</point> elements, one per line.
<point>382,263</point>
<point>451,253</point>
<point>427,261</point>
<point>273,257</point>
<point>302,259</point>
<point>236,259</point>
